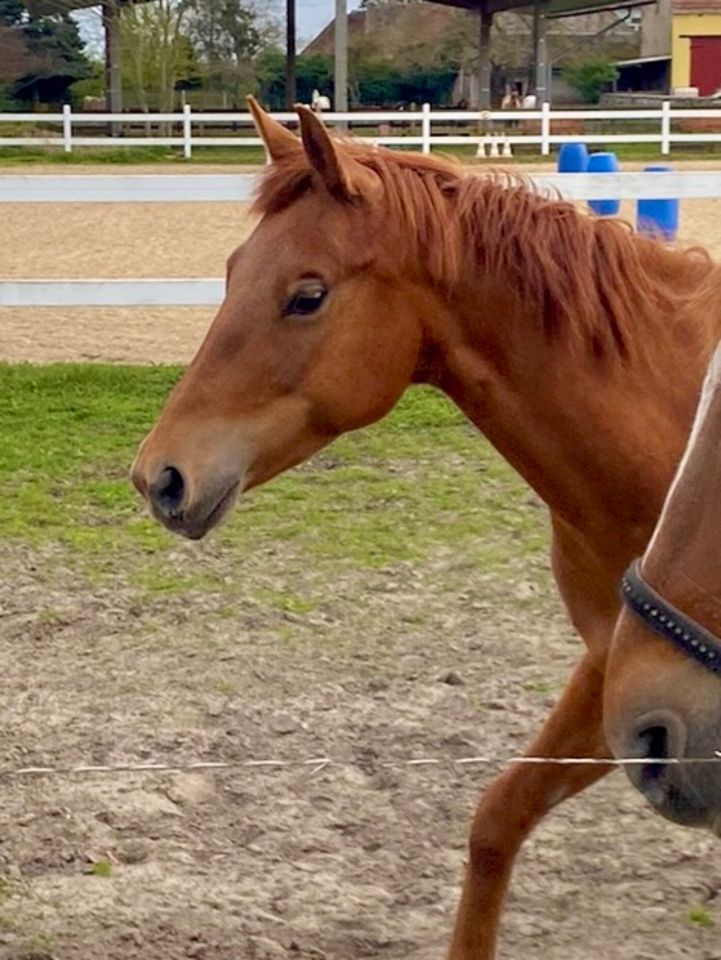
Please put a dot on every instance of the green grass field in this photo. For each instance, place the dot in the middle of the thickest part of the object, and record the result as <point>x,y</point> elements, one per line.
<point>420,482</point>
<point>254,156</point>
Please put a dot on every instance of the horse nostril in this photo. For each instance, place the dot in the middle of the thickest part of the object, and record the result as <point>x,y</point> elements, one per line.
<point>168,491</point>
<point>654,743</point>
<point>660,735</point>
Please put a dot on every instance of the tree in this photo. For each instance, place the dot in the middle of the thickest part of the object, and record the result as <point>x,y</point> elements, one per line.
<point>41,57</point>
<point>590,77</point>
<point>228,35</point>
<point>17,58</point>
<point>374,80</point>
<point>12,13</point>
<point>313,72</point>
<point>155,54</point>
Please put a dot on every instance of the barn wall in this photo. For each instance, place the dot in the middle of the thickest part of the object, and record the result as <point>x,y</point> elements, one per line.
<point>656,29</point>
<point>683,27</point>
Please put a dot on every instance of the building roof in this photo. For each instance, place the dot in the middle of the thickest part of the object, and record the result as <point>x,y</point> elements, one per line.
<point>387,29</point>
<point>554,8</point>
<point>42,8</point>
<point>640,61</point>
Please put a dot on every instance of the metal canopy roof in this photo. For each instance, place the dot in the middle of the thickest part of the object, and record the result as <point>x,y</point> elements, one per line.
<point>640,61</point>
<point>43,8</point>
<point>554,8</point>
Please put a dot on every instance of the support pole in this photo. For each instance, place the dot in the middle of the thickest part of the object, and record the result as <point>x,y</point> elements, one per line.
<point>290,73</point>
<point>113,83</point>
<point>484,59</point>
<point>341,56</point>
<point>540,52</point>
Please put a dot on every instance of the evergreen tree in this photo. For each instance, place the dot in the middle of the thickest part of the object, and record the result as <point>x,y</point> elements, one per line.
<point>42,56</point>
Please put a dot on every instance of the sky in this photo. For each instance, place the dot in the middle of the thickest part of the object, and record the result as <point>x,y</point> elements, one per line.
<point>313,15</point>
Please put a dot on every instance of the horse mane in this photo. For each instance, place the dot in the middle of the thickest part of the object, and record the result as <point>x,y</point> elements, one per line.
<point>593,281</point>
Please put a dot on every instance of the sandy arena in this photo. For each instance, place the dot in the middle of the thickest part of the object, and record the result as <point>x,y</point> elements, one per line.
<point>433,659</point>
<point>154,240</point>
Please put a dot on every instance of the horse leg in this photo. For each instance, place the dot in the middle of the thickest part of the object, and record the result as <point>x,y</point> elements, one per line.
<point>519,798</point>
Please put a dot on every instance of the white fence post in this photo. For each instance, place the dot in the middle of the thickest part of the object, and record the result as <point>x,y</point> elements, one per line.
<point>187,132</point>
<point>67,129</point>
<point>545,128</point>
<point>426,128</point>
<point>666,127</point>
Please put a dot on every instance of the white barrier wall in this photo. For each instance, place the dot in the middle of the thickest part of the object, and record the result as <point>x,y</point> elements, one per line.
<point>228,187</point>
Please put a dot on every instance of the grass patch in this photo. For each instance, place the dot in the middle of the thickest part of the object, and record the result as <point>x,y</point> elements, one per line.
<point>421,481</point>
<point>255,156</point>
<point>542,686</point>
<point>285,602</point>
<point>41,943</point>
<point>21,156</point>
<point>701,917</point>
<point>6,889</point>
<point>237,156</point>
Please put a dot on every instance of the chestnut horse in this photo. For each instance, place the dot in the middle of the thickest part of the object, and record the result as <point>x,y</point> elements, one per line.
<point>558,335</point>
<point>663,680</point>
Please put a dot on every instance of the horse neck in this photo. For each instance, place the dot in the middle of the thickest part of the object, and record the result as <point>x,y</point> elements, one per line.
<point>682,558</point>
<point>597,438</point>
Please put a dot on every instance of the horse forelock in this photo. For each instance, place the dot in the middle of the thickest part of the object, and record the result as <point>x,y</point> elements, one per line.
<point>593,282</point>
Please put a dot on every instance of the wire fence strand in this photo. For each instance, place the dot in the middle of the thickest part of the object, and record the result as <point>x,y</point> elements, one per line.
<point>317,764</point>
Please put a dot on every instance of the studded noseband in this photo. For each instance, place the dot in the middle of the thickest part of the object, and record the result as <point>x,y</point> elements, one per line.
<point>665,620</point>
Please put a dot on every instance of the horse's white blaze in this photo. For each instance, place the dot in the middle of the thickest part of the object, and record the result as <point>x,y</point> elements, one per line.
<point>711,384</point>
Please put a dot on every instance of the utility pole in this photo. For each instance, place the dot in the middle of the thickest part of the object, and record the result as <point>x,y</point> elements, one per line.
<point>341,56</point>
<point>540,52</point>
<point>113,84</point>
<point>290,84</point>
<point>484,58</point>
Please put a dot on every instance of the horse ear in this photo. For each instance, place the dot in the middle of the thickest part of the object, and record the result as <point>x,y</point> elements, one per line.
<point>342,175</point>
<point>278,141</point>
<point>323,154</point>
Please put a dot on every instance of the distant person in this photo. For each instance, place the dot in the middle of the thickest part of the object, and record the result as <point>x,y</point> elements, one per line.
<point>319,102</point>
<point>511,101</point>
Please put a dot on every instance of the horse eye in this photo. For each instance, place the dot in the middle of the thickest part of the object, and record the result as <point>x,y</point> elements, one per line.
<point>305,302</point>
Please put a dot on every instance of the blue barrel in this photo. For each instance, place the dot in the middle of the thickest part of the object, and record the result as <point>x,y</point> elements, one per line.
<point>603,163</point>
<point>572,158</point>
<point>657,218</point>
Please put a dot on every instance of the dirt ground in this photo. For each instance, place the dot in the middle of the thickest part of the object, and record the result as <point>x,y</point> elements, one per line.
<point>356,860</point>
<point>353,861</point>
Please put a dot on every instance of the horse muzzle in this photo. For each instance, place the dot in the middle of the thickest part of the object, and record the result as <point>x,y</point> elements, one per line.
<point>186,508</point>
<point>677,770</point>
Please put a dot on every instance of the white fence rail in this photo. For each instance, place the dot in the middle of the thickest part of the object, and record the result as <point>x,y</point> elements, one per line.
<point>418,127</point>
<point>231,188</point>
<point>228,188</point>
<point>199,292</point>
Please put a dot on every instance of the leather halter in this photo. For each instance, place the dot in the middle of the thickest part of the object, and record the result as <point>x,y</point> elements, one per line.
<point>664,619</point>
